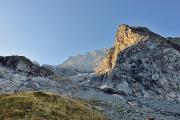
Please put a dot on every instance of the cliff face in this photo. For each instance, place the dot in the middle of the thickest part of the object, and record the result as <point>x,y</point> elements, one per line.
<point>142,63</point>
<point>126,36</point>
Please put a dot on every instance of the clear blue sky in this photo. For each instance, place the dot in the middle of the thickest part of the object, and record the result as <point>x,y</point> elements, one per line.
<point>51,30</point>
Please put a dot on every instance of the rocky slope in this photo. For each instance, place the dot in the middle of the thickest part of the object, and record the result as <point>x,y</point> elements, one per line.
<point>62,71</point>
<point>115,106</point>
<point>174,40</point>
<point>24,65</point>
<point>142,63</point>
<point>84,63</point>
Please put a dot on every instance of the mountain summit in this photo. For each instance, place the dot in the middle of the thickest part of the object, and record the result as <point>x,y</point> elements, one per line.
<point>126,36</point>
<point>142,63</point>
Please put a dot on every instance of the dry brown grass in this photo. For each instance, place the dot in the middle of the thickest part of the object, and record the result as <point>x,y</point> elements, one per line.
<point>45,106</point>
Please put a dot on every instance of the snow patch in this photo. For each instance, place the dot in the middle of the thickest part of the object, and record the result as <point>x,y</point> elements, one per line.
<point>103,87</point>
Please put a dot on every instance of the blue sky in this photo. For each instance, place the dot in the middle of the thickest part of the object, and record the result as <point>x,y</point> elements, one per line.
<point>49,31</point>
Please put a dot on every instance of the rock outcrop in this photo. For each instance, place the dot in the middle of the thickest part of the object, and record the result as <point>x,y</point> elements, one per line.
<point>142,63</point>
<point>24,65</point>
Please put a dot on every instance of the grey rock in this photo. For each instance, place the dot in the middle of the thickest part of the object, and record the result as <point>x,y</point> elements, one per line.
<point>142,63</point>
<point>24,65</point>
<point>98,108</point>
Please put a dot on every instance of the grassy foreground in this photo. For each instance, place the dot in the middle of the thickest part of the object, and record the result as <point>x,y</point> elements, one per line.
<point>44,106</point>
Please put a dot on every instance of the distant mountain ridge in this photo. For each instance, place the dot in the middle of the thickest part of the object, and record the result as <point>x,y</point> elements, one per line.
<point>85,63</point>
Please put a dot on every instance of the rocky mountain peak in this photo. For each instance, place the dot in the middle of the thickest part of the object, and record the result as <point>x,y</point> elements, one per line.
<point>142,63</point>
<point>126,36</point>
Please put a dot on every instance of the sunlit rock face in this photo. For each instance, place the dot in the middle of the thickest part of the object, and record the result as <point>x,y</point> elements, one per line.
<point>126,36</point>
<point>142,63</point>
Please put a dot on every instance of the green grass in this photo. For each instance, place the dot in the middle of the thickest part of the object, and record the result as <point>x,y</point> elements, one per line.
<point>45,106</point>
